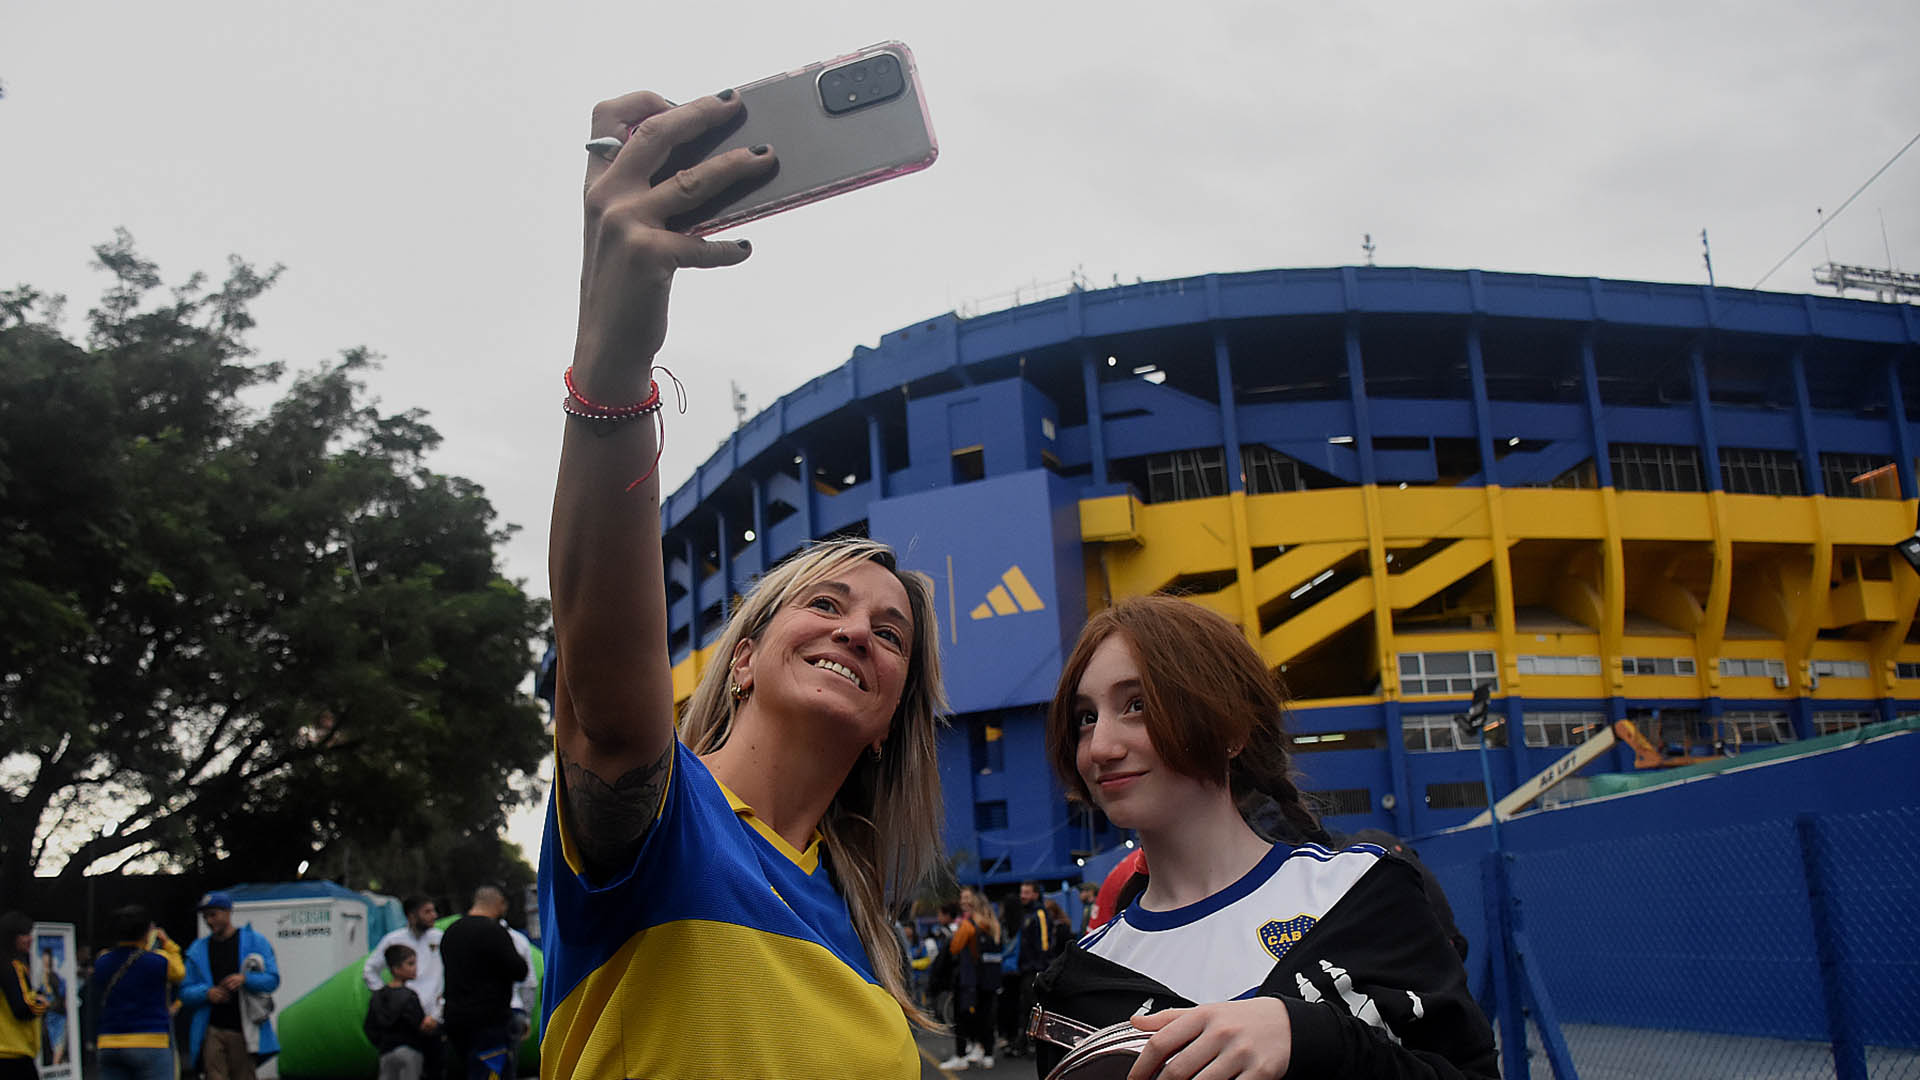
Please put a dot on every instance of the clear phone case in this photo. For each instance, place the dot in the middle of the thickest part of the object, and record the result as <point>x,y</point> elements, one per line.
<point>821,153</point>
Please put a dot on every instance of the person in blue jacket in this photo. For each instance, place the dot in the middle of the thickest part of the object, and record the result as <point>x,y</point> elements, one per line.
<point>230,974</point>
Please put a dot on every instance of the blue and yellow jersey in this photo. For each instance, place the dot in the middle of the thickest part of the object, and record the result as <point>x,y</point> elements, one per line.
<point>721,951</point>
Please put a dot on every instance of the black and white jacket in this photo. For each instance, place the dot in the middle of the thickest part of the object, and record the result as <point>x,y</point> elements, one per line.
<point>1347,939</point>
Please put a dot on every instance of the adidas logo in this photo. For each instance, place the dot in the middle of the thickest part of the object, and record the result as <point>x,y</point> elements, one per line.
<point>1013,595</point>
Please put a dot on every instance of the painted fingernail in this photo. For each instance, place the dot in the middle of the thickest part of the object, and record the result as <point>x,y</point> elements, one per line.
<point>725,95</point>
<point>745,245</point>
<point>759,150</point>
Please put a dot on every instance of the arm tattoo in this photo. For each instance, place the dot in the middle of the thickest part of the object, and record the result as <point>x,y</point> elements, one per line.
<point>609,820</point>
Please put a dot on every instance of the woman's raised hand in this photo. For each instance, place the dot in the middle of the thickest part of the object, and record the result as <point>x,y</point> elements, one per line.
<point>630,256</point>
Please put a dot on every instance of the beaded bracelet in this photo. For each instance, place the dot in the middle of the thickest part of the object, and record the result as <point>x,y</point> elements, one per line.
<point>609,416</point>
<point>577,404</point>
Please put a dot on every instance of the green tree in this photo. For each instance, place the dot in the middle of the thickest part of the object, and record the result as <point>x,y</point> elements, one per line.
<point>239,639</point>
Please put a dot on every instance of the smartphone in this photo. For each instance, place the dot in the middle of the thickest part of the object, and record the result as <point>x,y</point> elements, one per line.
<point>834,126</point>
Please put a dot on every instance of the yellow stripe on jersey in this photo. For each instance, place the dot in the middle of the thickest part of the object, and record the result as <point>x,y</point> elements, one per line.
<point>714,999</point>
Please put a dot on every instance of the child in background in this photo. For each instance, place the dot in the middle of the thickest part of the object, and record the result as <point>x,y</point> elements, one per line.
<point>395,1020</point>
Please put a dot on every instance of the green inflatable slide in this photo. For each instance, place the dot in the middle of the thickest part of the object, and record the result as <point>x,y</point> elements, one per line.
<point>320,1034</point>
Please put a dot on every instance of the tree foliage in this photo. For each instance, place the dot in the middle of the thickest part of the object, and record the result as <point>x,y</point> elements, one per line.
<point>240,639</point>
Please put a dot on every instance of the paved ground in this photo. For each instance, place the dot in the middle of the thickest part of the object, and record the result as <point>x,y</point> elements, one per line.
<point>935,1050</point>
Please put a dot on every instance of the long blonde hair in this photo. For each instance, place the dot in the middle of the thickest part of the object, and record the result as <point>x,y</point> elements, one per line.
<point>881,833</point>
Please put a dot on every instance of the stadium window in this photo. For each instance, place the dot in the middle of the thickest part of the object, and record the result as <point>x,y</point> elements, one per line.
<point>1840,669</point>
<point>1437,734</point>
<point>989,816</point>
<point>1833,723</point>
<point>1446,672</point>
<point>1655,467</point>
<point>1905,670</point>
<point>1269,471</point>
<point>1342,801</point>
<point>1186,474</point>
<point>1740,667</point>
<point>1563,728</point>
<point>1859,476</point>
<point>1457,795</point>
<point>969,465</point>
<point>1558,665</point>
<point>1363,739</point>
<point>1759,727</point>
<point>1657,665</point>
<point>1760,472</point>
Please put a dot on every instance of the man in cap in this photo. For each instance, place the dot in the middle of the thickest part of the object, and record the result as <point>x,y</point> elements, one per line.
<point>230,973</point>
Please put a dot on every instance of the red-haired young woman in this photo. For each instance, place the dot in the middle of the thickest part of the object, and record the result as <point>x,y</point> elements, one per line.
<point>1245,957</point>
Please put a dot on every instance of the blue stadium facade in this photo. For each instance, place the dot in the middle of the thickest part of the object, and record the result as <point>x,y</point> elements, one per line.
<point>1614,500</point>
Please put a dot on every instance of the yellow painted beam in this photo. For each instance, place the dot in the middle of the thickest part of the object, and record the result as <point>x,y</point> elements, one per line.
<point>1287,641</point>
<point>1503,602</point>
<point>1249,614</point>
<point>1297,566</point>
<point>1804,591</point>
<point>1455,561</point>
<point>1108,519</point>
<point>1382,601</point>
<point>686,673</point>
<point>1663,515</point>
<point>1291,518</point>
<point>1888,639</point>
<point>1711,631</point>
<point>1613,593</point>
<point>1553,514</point>
<point>1420,514</point>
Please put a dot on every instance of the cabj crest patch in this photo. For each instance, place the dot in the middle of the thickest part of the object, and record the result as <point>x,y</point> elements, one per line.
<point>1279,935</point>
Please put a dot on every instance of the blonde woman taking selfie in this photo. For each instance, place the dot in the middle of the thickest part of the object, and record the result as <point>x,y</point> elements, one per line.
<point>716,900</point>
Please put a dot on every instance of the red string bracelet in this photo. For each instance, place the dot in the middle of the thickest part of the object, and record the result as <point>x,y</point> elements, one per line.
<point>576,405</point>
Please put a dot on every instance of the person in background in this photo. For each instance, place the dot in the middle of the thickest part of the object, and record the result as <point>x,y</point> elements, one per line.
<point>20,1020</point>
<point>1006,998</point>
<point>482,967</point>
<point>524,1001</point>
<point>132,987</point>
<point>940,969</point>
<point>1089,907</point>
<point>421,936</point>
<point>1059,932</point>
<point>230,974</point>
<point>976,978</point>
<point>396,1025</point>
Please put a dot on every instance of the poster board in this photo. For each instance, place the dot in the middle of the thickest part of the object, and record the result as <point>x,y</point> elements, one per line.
<point>53,972</point>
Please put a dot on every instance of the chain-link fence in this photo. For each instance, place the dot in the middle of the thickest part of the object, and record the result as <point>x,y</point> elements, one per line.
<point>1784,949</point>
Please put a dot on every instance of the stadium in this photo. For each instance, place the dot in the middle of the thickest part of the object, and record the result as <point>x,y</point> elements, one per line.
<point>1666,504</point>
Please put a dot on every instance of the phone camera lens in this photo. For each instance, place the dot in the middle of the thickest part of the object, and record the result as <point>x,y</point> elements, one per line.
<point>883,64</point>
<point>835,79</point>
<point>860,75</point>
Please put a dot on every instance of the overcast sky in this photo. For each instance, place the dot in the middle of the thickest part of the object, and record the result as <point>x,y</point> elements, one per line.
<point>416,167</point>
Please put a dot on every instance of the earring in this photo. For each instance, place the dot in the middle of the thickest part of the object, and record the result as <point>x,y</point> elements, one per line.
<point>739,692</point>
<point>875,750</point>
